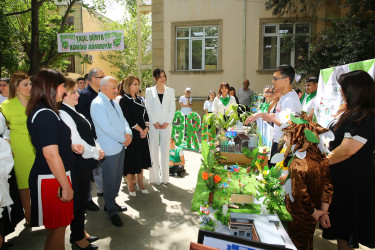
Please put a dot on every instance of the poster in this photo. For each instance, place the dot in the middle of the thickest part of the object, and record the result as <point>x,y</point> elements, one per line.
<point>90,41</point>
<point>328,95</point>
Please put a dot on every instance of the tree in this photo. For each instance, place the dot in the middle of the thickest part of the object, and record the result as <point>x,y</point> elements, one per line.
<point>344,40</point>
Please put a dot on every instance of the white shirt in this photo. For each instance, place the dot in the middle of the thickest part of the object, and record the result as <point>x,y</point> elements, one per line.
<point>184,100</point>
<point>288,104</point>
<point>218,106</point>
<point>89,151</point>
<point>2,98</point>
<point>208,105</point>
<point>310,105</point>
<point>244,96</point>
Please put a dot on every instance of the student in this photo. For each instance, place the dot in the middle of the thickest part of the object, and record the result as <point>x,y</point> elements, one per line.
<point>186,102</point>
<point>176,159</point>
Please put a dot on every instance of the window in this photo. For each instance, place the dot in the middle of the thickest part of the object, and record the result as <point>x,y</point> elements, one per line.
<point>197,48</point>
<point>276,36</point>
<point>71,67</point>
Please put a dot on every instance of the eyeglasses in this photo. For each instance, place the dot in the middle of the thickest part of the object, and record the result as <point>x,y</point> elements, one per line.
<point>98,76</point>
<point>309,85</point>
<point>277,78</point>
<point>3,85</point>
<point>270,92</point>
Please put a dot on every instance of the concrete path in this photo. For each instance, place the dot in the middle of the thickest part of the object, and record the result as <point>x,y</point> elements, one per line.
<point>160,220</point>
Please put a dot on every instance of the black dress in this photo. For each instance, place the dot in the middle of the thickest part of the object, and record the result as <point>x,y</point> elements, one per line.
<point>138,152</point>
<point>352,212</point>
<point>46,128</point>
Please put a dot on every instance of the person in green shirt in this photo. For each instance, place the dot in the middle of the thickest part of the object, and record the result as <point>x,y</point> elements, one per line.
<point>176,159</point>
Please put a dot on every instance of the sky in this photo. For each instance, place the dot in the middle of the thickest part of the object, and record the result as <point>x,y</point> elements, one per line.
<point>114,10</point>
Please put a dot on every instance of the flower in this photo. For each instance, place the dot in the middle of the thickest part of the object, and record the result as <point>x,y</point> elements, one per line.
<point>217,178</point>
<point>204,176</point>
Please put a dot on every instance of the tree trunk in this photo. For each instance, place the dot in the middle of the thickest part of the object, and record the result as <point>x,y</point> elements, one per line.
<point>211,198</point>
<point>34,50</point>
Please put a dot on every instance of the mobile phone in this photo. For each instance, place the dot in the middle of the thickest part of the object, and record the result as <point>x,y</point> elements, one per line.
<point>59,192</point>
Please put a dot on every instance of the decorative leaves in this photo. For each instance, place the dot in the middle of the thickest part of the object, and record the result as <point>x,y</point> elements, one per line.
<point>299,121</point>
<point>310,136</point>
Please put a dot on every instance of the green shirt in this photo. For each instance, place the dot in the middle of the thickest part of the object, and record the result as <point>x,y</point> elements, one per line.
<point>174,155</point>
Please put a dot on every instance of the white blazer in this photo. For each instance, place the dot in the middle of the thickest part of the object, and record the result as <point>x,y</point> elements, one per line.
<point>158,112</point>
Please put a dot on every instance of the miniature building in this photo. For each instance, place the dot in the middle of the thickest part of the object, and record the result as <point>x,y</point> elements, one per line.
<point>246,141</point>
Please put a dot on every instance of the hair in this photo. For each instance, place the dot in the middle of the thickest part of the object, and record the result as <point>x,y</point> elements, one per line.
<point>358,88</point>
<point>312,79</point>
<point>45,84</point>
<point>86,77</point>
<point>14,81</point>
<point>4,80</point>
<point>105,80</point>
<point>121,88</point>
<point>129,80</point>
<point>287,71</point>
<point>157,72</point>
<point>297,90</point>
<point>80,79</point>
<point>232,88</point>
<point>247,81</point>
<point>209,93</point>
<point>223,84</point>
<point>93,72</point>
<point>273,102</point>
<point>69,84</point>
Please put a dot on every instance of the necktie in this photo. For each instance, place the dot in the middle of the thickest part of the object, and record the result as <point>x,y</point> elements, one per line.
<point>113,105</point>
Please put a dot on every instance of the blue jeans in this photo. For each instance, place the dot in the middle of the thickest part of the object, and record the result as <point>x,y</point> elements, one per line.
<point>112,169</point>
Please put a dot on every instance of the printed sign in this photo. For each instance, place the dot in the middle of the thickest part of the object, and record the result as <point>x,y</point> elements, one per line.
<point>90,41</point>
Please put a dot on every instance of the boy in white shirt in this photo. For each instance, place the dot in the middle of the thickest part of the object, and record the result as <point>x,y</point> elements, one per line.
<point>186,102</point>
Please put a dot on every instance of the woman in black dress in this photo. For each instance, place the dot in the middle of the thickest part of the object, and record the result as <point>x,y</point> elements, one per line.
<point>138,152</point>
<point>351,218</point>
<point>50,177</point>
<point>82,134</point>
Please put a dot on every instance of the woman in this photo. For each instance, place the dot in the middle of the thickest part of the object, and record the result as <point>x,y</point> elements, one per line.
<point>351,218</point>
<point>4,89</point>
<point>121,92</point>
<point>207,106</point>
<point>232,92</point>
<point>266,100</point>
<point>14,111</point>
<point>50,187</point>
<point>136,114</point>
<point>223,101</point>
<point>82,134</point>
<point>161,106</point>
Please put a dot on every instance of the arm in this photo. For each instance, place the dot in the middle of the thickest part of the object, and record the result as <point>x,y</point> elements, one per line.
<point>172,106</point>
<point>127,111</point>
<point>149,106</point>
<point>347,148</point>
<point>55,163</point>
<point>215,108</point>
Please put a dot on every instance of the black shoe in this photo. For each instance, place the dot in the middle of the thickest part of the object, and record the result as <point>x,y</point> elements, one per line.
<point>120,208</point>
<point>100,194</point>
<point>90,246</point>
<point>92,239</point>
<point>115,219</point>
<point>92,206</point>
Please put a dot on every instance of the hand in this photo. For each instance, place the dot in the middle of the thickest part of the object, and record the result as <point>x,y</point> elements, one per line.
<point>318,213</point>
<point>143,134</point>
<point>101,154</point>
<point>164,126</point>
<point>252,118</point>
<point>67,194</point>
<point>171,163</point>
<point>128,140</point>
<point>77,148</point>
<point>324,221</point>
<point>157,125</point>
<point>283,179</point>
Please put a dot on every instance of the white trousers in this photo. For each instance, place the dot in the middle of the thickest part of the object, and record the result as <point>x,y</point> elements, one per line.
<point>159,143</point>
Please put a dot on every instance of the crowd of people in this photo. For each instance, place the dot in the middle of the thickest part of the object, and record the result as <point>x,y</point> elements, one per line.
<point>61,133</point>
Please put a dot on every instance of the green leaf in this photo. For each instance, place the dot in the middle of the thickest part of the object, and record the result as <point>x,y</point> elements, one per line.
<point>246,152</point>
<point>290,161</point>
<point>310,136</point>
<point>210,159</point>
<point>299,121</point>
<point>205,149</point>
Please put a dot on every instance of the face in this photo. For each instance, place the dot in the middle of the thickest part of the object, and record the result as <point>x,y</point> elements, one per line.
<point>279,81</point>
<point>81,84</point>
<point>60,92</point>
<point>72,96</point>
<point>212,95</point>
<point>311,87</point>
<point>231,93</point>
<point>224,90</point>
<point>110,90</point>
<point>96,79</point>
<point>171,146</point>
<point>134,87</point>
<point>266,93</point>
<point>24,88</point>
<point>4,88</point>
<point>161,79</point>
<point>246,85</point>
<point>187,93</point>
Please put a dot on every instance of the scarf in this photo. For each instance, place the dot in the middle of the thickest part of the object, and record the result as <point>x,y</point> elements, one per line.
<point>225,100</point>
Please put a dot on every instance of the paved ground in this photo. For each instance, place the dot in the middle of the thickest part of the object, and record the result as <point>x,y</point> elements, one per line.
<point>159,220</point>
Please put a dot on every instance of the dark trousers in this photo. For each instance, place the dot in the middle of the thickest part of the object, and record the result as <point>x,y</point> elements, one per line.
<point>81,191</point>
<point>273,152</point>
<point>178,169</point>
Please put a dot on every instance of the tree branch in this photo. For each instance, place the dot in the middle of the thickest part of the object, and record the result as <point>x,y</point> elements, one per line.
<point>25,11</point>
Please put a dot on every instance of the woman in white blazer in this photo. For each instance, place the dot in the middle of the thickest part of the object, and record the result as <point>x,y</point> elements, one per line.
<point>161,106</point>
<point>223,101</point>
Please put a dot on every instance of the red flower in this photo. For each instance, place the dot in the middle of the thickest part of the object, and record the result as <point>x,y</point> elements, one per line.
<point>204,176</point>
<point>217,178</point>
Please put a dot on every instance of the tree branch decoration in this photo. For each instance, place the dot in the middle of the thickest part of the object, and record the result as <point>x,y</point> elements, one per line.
<point>178,127</point>
<point>193,125</point>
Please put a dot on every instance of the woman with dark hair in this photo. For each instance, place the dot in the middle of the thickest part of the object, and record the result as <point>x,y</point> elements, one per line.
<point>136,114</point>
<point>232,92</point>
<point>121,91</point>
<point>223,101</point>
<point>14,111</point>
<point>82,133</point>
<point>351,218</point>
<point>50,177</point>
<point>161,106</point>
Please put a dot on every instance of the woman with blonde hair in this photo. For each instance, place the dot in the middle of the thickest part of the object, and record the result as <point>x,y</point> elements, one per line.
<point>136,114</point>
<point>14,109</point>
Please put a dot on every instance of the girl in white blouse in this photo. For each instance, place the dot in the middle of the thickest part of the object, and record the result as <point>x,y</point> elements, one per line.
<point>223,101</point>
<point>207,106</point>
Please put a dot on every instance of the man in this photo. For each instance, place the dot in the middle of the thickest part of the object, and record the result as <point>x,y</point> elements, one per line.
<point>308,99</point>
<point>244,94</point>
<point>4,89</point>
<point>289,103</point>
<point>186,102</point>
<point>83,107</point>
<point>113,135</point>
<point>81,83</point>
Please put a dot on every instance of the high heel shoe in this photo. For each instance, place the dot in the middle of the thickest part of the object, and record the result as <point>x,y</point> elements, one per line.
<point>132,193</point>
<point>90,246</point>
<point>144,191</point>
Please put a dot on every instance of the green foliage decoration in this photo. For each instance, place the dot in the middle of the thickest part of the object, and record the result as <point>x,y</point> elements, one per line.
<point>178,127</point>
<point>193,121</point>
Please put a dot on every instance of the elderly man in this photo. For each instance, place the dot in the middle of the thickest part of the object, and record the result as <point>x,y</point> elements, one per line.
<point>245,94</point>
<point>84,103</point>
<point>114,135</point>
